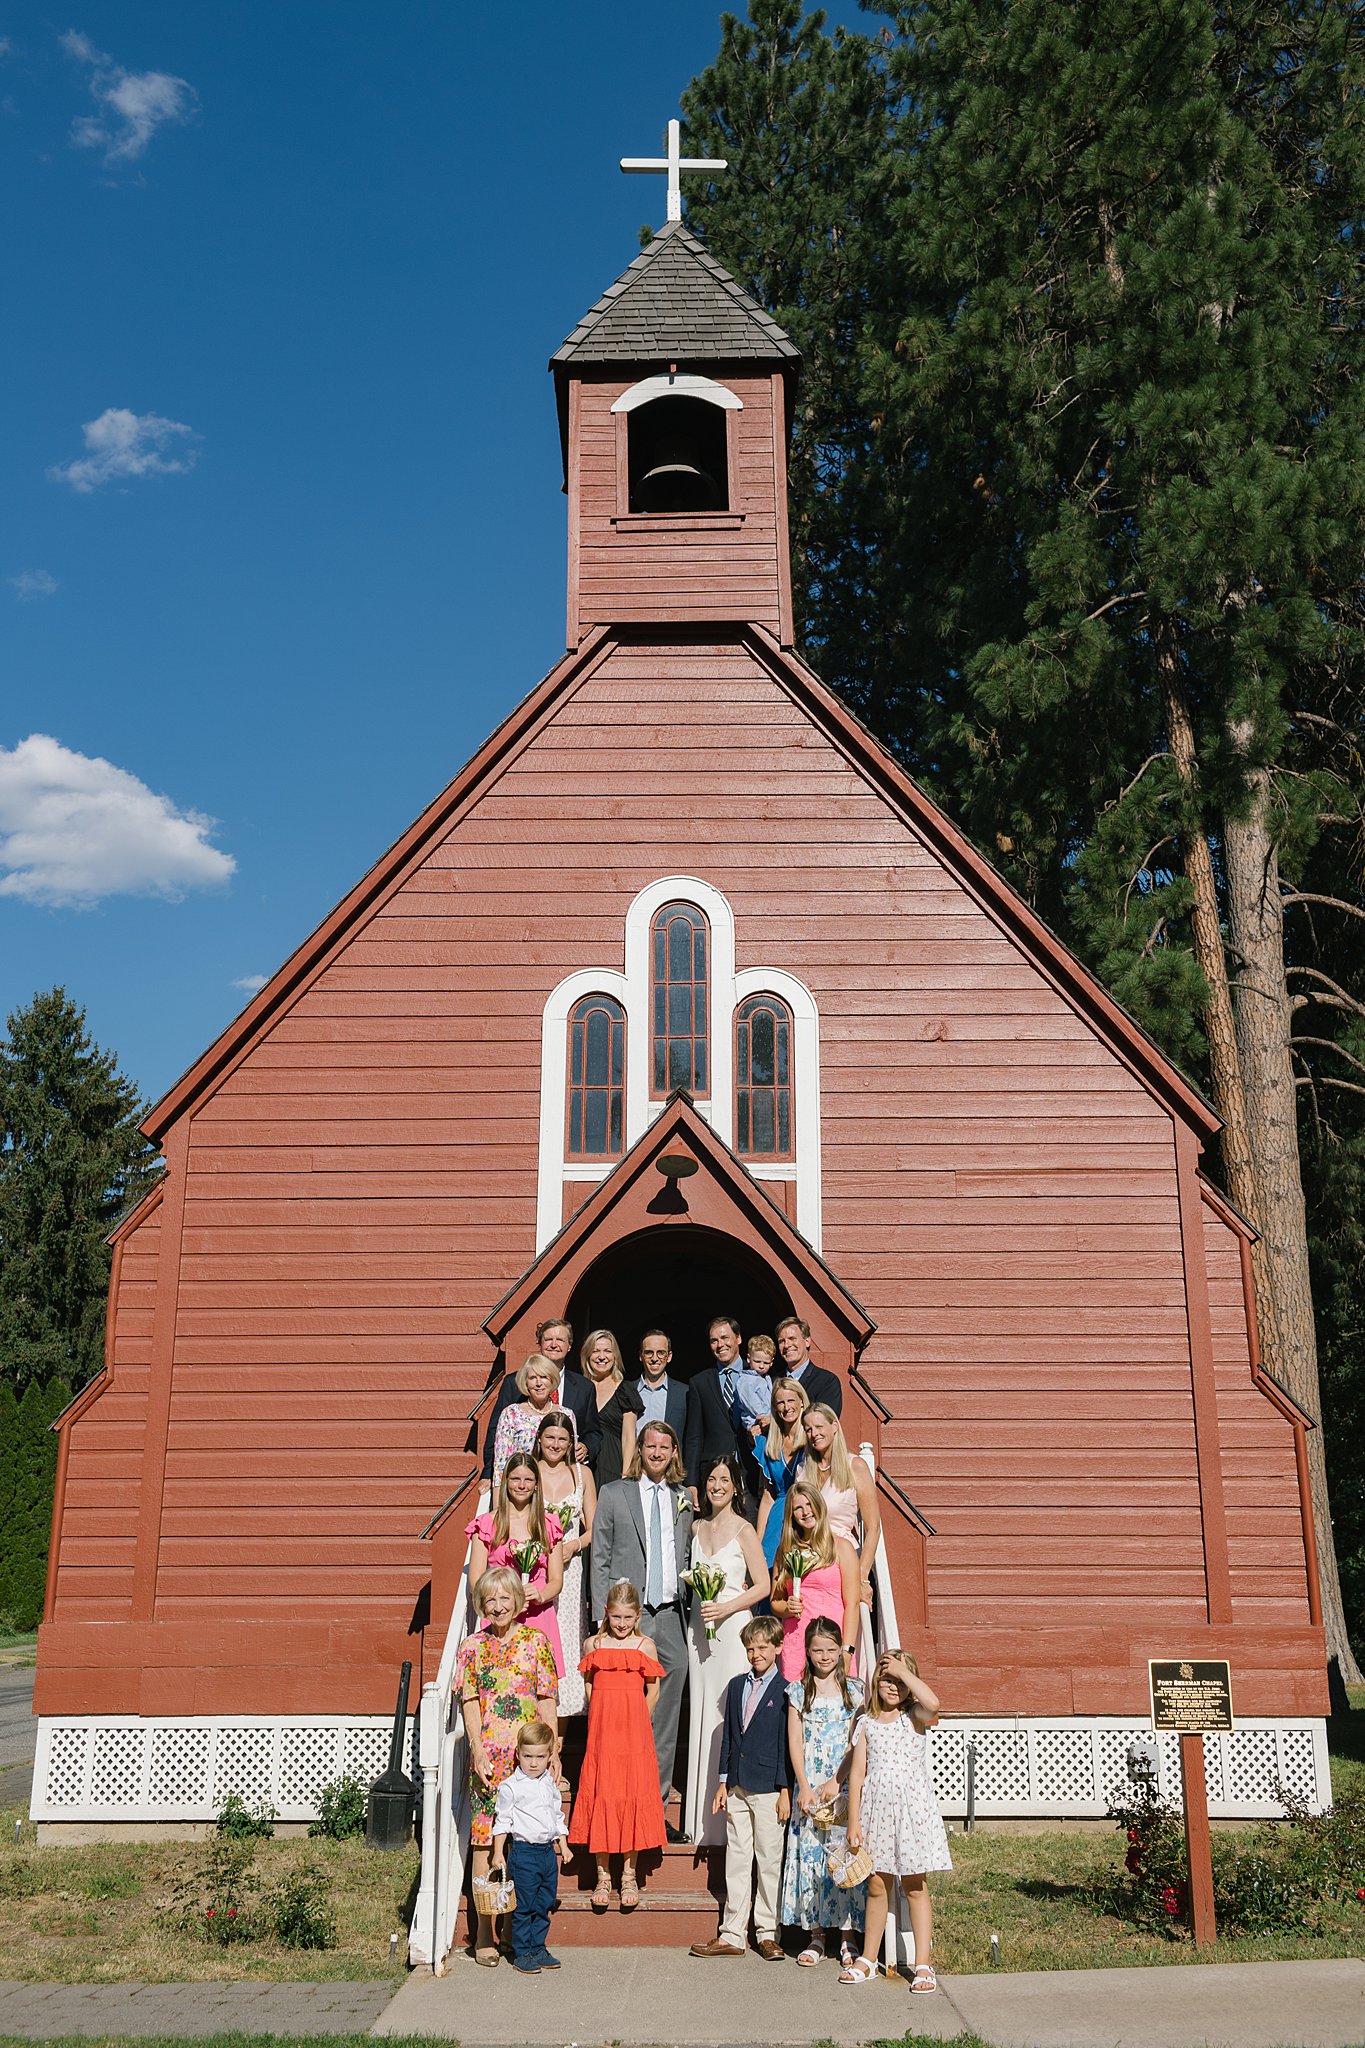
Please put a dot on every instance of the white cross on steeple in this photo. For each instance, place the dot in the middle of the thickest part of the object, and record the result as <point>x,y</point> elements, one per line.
<point>674,163</point>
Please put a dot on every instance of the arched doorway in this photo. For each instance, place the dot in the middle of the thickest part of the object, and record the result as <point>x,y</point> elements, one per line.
<point>679,1277</point>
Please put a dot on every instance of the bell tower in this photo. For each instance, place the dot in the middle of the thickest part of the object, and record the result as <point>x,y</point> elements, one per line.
<point>675,394</point>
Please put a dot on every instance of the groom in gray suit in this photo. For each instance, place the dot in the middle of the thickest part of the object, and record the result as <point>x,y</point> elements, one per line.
<point>642,1532</point>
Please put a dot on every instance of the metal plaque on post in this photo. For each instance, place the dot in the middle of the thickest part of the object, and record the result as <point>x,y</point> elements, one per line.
<point>1193,1696</point>
<point>1190,1697</point>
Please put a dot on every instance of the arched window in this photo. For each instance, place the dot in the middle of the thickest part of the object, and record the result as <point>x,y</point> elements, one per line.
<point>763,1079</point>
<point>597,1079</point>
<point>678,984</point>
<point>677,457</point>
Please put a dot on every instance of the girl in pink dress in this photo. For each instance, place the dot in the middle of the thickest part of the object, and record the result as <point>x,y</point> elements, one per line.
<point>816,1573</point>
<point>518,1520</point>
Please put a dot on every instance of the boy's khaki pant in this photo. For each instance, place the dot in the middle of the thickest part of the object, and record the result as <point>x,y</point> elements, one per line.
<point>753,1836</point>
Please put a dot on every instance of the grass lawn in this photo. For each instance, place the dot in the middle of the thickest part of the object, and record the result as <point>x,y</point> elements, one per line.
<point>104,1913</point>
<point>18,1647</point>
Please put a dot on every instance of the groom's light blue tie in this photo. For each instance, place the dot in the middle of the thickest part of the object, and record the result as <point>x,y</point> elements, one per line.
<point>654,1571</point>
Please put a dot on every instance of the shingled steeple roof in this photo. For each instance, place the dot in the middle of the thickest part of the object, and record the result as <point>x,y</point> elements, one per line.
<point>675,301</point>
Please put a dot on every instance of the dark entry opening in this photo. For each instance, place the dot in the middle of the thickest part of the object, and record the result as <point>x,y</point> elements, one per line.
<point>680,1278</point>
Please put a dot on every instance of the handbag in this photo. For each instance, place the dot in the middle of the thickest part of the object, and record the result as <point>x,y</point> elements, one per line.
<point>849,1867</point>
<point>831,1813</point>
<point>494,1895</point>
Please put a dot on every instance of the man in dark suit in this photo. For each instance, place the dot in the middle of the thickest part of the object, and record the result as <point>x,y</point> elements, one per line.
<point>710,1431</point>
<point>642,1531</point>
<point>754,1794</point>
<point>555,1341</point>
<point>794,1362</point>
<point>662,1399</point>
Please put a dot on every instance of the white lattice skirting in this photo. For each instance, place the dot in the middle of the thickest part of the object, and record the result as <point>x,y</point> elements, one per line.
<point>119,1768</point>
<point>1076,1768</point>
<point>97,1768</point>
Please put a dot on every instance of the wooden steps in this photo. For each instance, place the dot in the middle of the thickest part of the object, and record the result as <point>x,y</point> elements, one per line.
<point>680,1895</point>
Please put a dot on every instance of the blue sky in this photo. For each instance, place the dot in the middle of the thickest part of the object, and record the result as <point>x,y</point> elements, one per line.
<point>282,536</point>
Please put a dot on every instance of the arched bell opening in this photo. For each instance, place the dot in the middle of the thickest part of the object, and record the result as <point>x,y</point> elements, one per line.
<point>677,457</point>
<point>679,1278</point>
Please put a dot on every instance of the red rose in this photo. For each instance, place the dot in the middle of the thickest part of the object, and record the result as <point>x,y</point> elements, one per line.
<point>209,1914</point>
<point>1132,1834</point>
<point>1360,1894</point>
<point>232,1912</point>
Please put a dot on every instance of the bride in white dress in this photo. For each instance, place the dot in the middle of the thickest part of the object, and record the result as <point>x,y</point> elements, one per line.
<point>722,1537</point>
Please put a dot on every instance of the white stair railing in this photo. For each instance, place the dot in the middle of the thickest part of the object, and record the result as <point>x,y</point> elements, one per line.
<point>874,1636</point>
<point>443,1756</point>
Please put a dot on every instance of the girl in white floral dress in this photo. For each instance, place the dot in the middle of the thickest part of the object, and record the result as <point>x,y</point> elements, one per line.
<point>822,1714</point>
<point>572,1498</point>
<point>891,1811</point>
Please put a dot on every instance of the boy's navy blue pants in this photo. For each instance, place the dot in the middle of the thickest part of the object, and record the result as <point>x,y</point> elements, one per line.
<point>534,1869</point>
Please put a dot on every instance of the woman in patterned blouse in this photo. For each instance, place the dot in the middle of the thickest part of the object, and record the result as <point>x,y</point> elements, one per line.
<point>505,1675</point>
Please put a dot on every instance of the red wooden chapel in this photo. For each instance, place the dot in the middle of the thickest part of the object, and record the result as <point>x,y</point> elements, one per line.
<point>681,901</point>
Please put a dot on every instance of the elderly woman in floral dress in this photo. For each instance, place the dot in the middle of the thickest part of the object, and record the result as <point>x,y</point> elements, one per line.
<point>504,1675</point>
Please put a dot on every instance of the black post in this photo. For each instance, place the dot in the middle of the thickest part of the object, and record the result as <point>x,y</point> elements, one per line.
<point>388,1815</point>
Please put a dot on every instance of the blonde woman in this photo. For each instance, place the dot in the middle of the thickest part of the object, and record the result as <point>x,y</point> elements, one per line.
<point>504,1675</point>
<point>847,1485</point>
<point>816,1573</point>
<point>778,1457</point>
<point>538,1386</point>
<point>618,1404</point>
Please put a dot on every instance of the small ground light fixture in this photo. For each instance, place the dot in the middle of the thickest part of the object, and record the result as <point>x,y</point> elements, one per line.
<point>995,1951</point>
<point>393,1946</point>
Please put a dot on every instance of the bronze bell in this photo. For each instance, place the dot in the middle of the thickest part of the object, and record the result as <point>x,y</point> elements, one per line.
<point>678,485</point>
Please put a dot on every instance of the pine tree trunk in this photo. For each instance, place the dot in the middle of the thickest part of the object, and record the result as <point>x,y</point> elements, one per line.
<point>1220,1030</point>
<point>1264,1016</point>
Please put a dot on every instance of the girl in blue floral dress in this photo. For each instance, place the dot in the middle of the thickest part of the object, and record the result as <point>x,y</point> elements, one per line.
<point>822,1708</point>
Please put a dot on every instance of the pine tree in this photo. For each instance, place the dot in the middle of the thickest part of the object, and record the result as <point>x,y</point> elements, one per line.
<point>1115,397</point>
<point>72,1161</point>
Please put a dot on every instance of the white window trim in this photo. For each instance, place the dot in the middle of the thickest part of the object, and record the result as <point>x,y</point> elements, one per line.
<point>678,384</point>
<point>770,981</point>
<point>554,1053</point>
<point>631,990</point>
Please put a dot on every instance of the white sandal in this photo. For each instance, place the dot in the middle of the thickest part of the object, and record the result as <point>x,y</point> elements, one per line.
<point>809,1957</point>
<point>860,1971</point>
<point>924,1980</point>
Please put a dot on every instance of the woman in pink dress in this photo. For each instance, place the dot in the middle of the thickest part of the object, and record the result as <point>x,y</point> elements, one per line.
<point>519,1522</point>
<point>847,1485</point>
<point>816,1572</point>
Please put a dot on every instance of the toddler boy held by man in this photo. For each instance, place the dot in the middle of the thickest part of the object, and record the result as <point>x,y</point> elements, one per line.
<point>754,1386</point>
<point>530,1841</point>
<point>754,1794</point>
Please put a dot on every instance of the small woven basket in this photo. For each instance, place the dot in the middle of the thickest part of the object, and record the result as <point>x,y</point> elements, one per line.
<point>849,1867</point>
<point>830,1813</point>
<point>494,1895</point>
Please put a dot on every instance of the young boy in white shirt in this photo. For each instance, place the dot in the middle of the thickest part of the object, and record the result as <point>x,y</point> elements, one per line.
<point>530,1840</point>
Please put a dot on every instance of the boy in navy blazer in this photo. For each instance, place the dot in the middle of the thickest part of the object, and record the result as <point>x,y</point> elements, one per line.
<point>754,1794</point>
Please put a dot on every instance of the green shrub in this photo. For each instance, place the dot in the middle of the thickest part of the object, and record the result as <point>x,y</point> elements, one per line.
<point>341,1810</point>
<point>299,1912</point>
<point>243,1823</point>
<point>220,1903</point>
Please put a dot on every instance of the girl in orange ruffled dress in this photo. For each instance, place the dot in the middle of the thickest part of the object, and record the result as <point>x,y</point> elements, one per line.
<point>618,1810</point>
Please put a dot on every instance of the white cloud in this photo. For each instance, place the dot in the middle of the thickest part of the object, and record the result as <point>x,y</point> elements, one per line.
<point>122,443</point>
<point>33,583</point>
<point>251,984</point>
<point>74,828</point>
<point>134,104</point>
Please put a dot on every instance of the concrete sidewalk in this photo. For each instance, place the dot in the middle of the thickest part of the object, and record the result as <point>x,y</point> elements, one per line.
<point>38,2012</point>
<point>653,1998</point>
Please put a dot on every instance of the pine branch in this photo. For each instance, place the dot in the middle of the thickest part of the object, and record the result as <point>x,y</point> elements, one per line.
<point>1331,1045</point>
<point>1332,902</point>
<point>1338,999</point>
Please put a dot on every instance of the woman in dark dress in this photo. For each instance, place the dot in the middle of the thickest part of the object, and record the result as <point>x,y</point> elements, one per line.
<point>618,1404</point>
